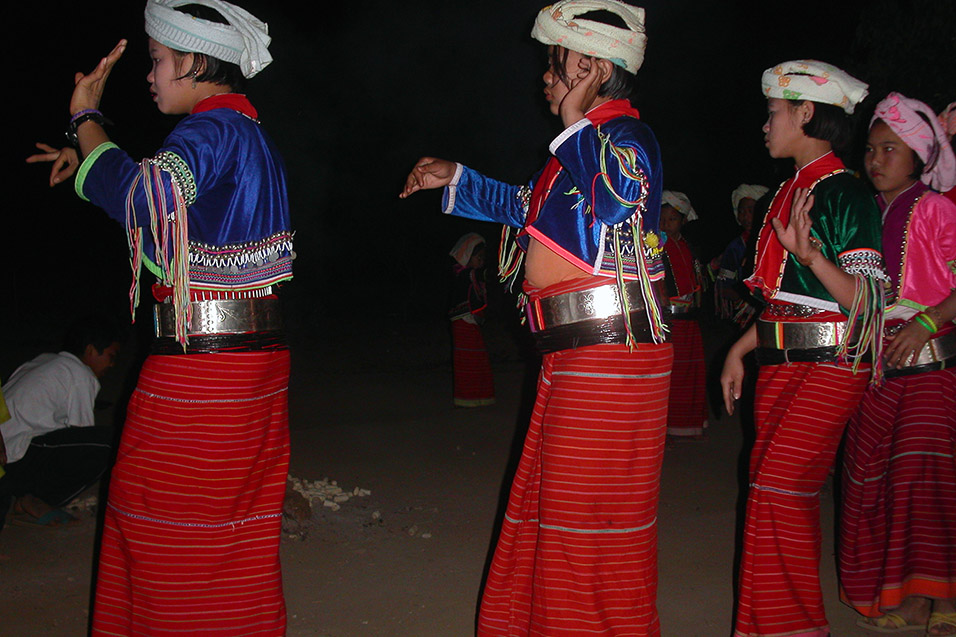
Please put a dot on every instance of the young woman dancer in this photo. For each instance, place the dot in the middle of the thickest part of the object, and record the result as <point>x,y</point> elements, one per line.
<point>577,550</point>
<point>817,261</point>
<point>191,538</point>
<point>897,558</point>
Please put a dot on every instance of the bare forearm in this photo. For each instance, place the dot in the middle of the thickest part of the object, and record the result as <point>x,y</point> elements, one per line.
<point>840,285</point>
<point>90,135</point>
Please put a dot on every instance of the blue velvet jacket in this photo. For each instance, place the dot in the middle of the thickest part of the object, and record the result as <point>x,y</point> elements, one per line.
<point>610,179</point>
<point>232,181</point>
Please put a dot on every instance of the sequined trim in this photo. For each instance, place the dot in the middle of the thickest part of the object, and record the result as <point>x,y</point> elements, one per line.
<point>524,198</point>
<point>199,525</point>
<point>179,171</point>
<point>863,261</point>
<point>790,310</point>
<point>232,258</point>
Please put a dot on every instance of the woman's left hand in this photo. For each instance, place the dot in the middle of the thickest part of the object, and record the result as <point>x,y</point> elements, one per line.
<point>65,161</point>
<point>906,345</point>
<point>88,89</point>
<point>795,236</point>
<point>584,90</point>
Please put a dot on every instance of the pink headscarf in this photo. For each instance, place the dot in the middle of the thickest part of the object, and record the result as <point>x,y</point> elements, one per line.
<point>923,134</point>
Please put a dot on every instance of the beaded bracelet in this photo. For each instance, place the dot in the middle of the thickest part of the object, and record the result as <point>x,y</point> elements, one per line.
<point>924,319</point>
<point>86,111</point>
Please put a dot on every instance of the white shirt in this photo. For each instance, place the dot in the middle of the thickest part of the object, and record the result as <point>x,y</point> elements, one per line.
<point>51,392</point>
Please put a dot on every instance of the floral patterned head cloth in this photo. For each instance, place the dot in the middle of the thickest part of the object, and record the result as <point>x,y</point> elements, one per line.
<point>814,81</point>
<point>556,25</point>
<point>918,127</point>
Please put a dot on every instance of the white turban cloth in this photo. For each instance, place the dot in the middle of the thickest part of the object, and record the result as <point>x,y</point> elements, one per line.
<point>743,191</point>
<point>555,25</point>
<point>244,41</point>
<point>679,202</point>
<point>814,81</point>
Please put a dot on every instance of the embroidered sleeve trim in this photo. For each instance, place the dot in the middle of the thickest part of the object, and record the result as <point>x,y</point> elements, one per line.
<point>87,165</point>
<point>179,171</point>
<point>863,261</point>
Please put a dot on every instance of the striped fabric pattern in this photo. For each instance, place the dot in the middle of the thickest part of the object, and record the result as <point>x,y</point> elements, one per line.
<point>800,412</point>
<point>899,494</point>
<point>577,552</point>
<point>474,382</point>
<point>191,540</point>
<point>687,407</point>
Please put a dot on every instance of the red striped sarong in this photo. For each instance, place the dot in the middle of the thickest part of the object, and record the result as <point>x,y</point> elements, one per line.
<point>800,412</point>
<point>687,407</point>
<point>577,553</point>
<point>899,494</point>
<point>191,541</point>
<point>474,383</point>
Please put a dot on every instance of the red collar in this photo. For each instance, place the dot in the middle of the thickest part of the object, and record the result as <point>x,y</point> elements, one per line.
<point>235,101</point>
<point>611,110</point>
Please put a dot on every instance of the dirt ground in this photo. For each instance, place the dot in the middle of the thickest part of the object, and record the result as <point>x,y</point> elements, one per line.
<point>404,554</point>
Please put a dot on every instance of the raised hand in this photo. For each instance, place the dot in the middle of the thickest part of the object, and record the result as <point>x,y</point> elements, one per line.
<point>795,236</point>
<point>88,88</point>
<point>591,73</point>
<point>65,161</point>
<point>429,172</point>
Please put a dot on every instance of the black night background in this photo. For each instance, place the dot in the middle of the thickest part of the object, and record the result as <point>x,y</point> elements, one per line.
<point>358,91</point>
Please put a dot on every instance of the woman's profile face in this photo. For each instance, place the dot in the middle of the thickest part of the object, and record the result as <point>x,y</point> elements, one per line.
<point>576,66</point>
<point>783,129</point>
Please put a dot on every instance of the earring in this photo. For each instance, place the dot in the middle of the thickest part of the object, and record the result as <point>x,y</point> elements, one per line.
<point>193,76</point>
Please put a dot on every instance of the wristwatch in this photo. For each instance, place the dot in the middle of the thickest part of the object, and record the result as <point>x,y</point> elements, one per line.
<point>71,135</point>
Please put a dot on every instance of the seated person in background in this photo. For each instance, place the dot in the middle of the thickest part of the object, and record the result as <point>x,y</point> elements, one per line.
<point>49,448</point>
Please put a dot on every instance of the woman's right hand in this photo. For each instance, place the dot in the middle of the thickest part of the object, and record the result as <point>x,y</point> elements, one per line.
<point>429,172</point>
<point>65,161</point>
<point>88,88</point>
<point>732,380</point>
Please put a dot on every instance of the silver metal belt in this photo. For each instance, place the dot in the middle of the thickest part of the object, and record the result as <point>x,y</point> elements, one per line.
<point>783,335</point>
<point>227,316</point>
<point>583,305</point>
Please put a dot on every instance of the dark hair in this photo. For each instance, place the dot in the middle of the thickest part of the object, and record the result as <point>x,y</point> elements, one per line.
<point>98,330</point>
<point>621,84</point>
<point>206,68</point>
<point>829,123</point>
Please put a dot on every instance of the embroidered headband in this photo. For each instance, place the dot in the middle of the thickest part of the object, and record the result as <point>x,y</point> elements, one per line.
<point>556,25</point>
<point>918,127</point>
<point>465,248</point>
<point>743,191</point>
<point>814,81</point>
<point>679,202</point>
<point>244,41</point>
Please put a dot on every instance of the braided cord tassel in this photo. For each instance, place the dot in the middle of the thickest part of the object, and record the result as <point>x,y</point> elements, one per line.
<point>134,239</point>
<point>627,162</point>
<point>170,238</point>
<point>865,321</point>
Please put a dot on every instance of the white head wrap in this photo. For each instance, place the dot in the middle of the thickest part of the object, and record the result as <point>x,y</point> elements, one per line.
<point>244,41</point>
<point>814,81</point>
<point>743,191</point>
<point>465,248</point>
<point>555,25</point>
<point>679,202</point>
